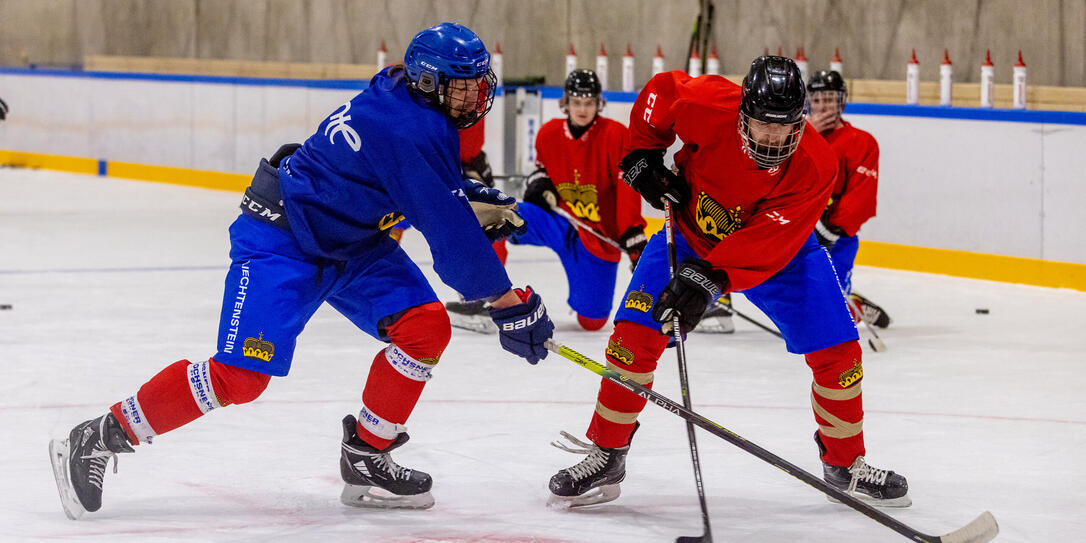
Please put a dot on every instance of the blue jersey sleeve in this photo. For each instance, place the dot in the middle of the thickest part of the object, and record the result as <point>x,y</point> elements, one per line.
<point>423,177</point>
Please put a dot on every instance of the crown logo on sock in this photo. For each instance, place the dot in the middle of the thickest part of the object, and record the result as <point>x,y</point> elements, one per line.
<point>257,347</point>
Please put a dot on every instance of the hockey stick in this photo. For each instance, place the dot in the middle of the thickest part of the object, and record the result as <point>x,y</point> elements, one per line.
<point>981,529</point>
<point>579,223</point>
<point>875,342</point>
<point>754,322</point>
<point>684,385</point>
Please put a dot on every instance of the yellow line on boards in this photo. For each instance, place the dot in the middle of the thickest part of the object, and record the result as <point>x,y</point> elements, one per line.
<point>1008,269</point>
<point>179,176</point>
<point>33,161</point>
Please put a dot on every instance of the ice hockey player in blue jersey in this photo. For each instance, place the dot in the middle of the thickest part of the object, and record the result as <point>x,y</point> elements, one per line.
<point>313,230</point>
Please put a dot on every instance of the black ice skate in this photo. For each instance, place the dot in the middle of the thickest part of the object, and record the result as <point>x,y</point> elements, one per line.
<point>592,480</point>
<point>374,480</point>
<point>874,486</point>
<point>717,319</point>
<point>871,313</point>
<point>472,316</point>
<point>79,462</point>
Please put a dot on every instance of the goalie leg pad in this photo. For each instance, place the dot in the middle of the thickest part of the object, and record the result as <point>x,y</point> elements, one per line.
<point>837,401</point>
<point>399,372</point>
<point>633,350</point>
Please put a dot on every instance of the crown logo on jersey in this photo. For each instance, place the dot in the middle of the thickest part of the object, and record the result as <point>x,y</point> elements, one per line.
<point>639,300</point>
<point>716,221</point>
<point>582,198</point>
<point>850,376</point>
<point>618,353</point>
<point>389,220</point>
<point>257,347</point>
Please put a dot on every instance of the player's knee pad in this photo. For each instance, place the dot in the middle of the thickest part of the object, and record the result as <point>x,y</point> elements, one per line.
<point>422,332</point>
<point>635,348</point>
<point>839,366</point>
<point>232,384</point>
<point>591,324</point>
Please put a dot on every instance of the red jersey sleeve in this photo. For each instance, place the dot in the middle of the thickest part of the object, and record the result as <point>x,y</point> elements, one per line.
<point>856,203</point>
<point>652,118</point>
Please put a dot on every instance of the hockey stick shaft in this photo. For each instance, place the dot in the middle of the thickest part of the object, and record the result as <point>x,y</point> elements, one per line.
<point>875,341</point>
<point>980,530</point>
<point>581,224</point>
<point>684,383</point>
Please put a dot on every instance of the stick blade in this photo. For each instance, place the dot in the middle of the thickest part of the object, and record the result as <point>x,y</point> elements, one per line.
<point>694,539</point>
<point>982,529</point>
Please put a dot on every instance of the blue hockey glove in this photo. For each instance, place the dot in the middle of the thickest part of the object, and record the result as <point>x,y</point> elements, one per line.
<point>523,328</point>
<point>495,210</point>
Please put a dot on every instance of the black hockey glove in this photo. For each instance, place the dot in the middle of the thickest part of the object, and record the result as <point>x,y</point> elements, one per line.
<point>540,191</point>
<point>495,210</point>
<point>644,171</point>
<point>522,328</point>
<point>478,168</point>
<point>633,242</point>
<point>827,233</point>
<point>695,284</point>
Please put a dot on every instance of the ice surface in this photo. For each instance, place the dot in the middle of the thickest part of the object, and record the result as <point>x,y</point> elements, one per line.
<point>111,280</point>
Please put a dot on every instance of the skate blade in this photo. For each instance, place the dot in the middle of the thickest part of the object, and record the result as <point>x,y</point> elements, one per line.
<point>598,495</point>
<point>477,324</point>
<point>716,325</point>
<point>378,498</point>
<point>903,501</point>
<point>58,456</point>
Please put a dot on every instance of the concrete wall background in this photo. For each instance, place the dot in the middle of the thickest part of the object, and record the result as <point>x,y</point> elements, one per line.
<point>874,36</point>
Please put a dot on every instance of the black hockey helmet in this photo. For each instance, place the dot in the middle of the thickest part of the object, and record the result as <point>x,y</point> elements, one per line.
<point>826,80</point>
<point>582,84</point>
<point>773,92</point>
<point>827,89</point>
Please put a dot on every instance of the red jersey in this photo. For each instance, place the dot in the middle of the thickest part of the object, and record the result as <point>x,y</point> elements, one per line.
<point>471,141</point>
<point>854,194</point>
<point>585,172</point>
<point>744,220</point>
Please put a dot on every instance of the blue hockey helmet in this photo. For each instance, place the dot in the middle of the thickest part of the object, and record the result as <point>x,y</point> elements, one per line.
<point>450,65</point>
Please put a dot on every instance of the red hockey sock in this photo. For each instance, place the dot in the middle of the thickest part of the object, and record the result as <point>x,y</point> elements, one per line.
<point>400,371</point>
<point>633,351</point>
<point>182,393</point>
<point>838,402</point>
<point>591,324</point>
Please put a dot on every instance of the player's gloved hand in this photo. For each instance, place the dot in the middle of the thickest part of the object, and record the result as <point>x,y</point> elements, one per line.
<point>644,171</point>
<point>634,242</point>
<point>522,328</point>
<point>478,168</point>
<point>495,210</point>
<point>540,191</point>
<point>695,284</point>
<point>827,233</point>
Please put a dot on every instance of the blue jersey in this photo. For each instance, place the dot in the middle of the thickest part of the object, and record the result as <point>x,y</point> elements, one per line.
<point>383,156</point>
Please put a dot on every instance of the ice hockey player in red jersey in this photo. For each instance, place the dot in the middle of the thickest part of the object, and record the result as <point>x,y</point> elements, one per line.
<point>750,186</point>
<point>578,175</point>
<point>853,199</point>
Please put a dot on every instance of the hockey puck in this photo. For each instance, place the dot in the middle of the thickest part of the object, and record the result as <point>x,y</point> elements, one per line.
<point>5,306</point>
<point>982,311</point>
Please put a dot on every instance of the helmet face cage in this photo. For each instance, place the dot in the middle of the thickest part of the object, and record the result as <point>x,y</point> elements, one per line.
<point>835,97</point>
<point>466,101</point>
<point>768,155</point>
